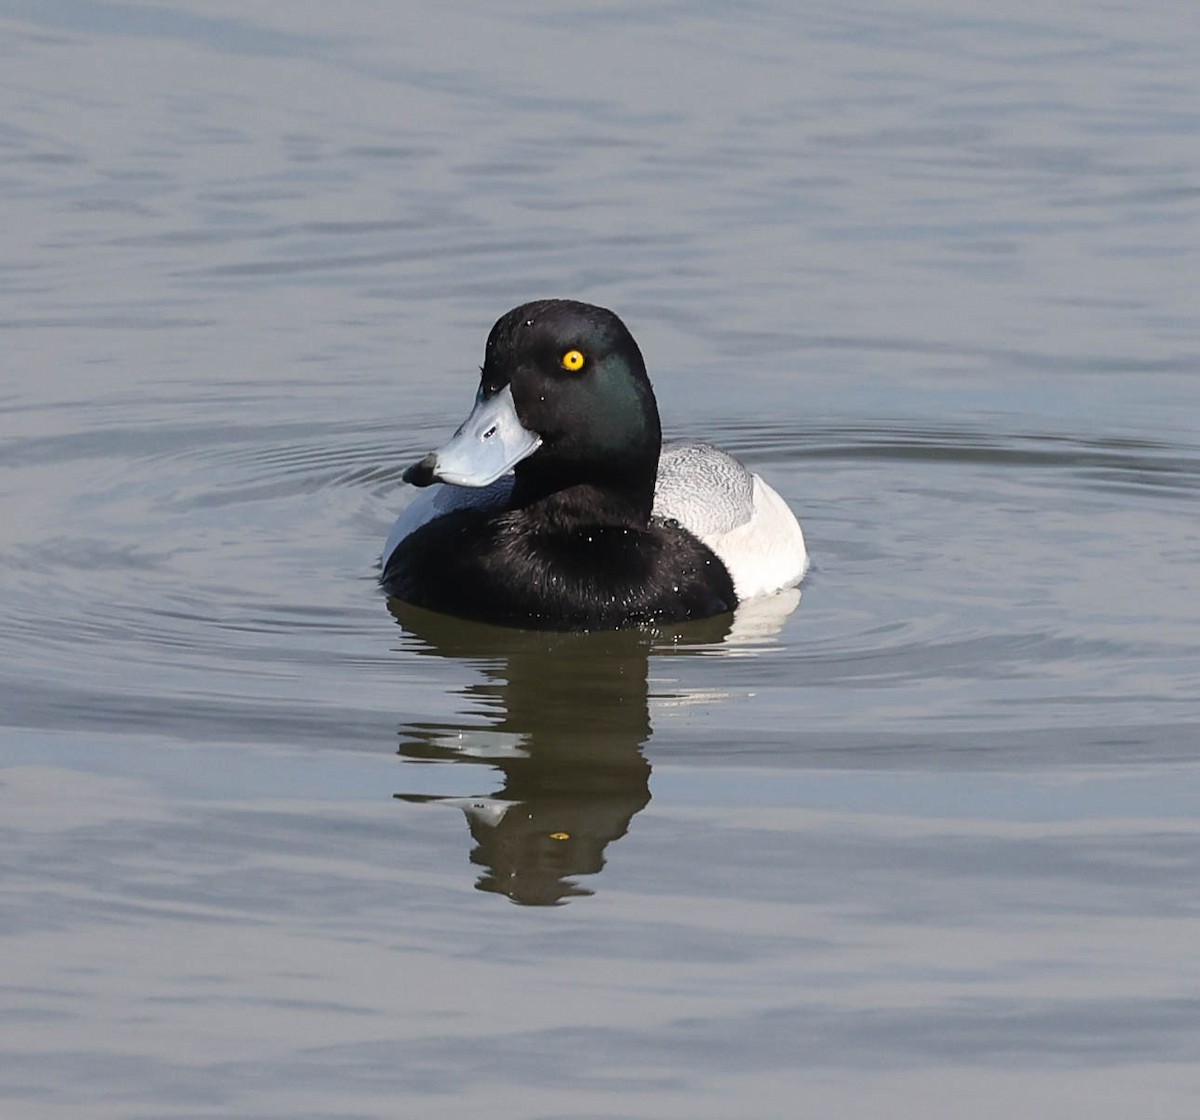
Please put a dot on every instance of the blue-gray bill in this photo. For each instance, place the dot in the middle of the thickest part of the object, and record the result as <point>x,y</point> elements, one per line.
<point>490,442</point>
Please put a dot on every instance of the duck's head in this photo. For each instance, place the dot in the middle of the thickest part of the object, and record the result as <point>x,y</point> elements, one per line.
<point>563,401</point>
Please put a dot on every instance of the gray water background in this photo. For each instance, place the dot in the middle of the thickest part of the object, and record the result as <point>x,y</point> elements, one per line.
<point>929,850</point>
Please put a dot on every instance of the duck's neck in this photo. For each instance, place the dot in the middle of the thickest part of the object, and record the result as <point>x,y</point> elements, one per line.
<point>600,498</point>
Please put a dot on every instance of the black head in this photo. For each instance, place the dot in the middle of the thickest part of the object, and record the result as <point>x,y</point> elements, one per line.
<point>578,381</point>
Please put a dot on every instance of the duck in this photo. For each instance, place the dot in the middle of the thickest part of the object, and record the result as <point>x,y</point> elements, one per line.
<point>557,506</point>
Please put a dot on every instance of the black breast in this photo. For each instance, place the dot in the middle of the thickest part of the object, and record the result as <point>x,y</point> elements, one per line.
<point>542,573</point>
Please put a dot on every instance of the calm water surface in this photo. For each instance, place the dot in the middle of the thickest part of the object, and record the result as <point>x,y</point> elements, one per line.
<point>923,844</point>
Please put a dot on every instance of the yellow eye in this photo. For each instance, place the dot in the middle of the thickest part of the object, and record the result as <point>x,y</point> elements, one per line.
<point>572,361</point>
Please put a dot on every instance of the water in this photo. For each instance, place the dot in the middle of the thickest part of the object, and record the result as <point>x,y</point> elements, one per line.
<point>923,846</point>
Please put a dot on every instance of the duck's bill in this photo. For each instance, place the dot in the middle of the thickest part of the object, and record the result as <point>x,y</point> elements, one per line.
<point>489,444</point>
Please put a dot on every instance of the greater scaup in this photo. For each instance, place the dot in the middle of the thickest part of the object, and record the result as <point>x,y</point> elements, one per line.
<point>599,526</point>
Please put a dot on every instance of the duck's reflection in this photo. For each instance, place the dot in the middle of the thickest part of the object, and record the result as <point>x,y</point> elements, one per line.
<point>568,715</point>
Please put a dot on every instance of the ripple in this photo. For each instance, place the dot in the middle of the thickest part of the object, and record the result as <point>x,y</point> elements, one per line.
<point>924,607</point>
<point>1121,462</point>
